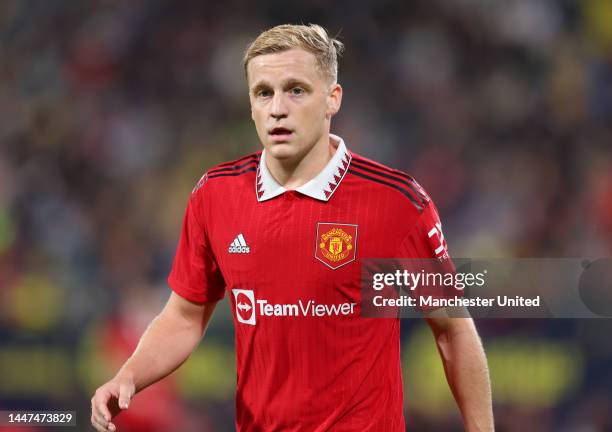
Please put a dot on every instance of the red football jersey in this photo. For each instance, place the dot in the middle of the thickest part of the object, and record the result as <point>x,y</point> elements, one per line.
<point>290,263</point>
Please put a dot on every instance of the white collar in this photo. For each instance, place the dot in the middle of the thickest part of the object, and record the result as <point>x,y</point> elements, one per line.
<point>321,187</point>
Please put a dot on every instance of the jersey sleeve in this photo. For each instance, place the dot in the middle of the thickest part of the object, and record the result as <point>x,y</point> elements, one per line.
<point>426,239</point>
<point>195,274</point>
<point>425,251</point>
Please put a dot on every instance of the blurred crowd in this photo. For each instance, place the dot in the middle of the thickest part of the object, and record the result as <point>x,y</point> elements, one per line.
<point>111,110</point>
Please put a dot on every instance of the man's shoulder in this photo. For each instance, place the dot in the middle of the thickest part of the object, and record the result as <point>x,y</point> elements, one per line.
<point>370,163</point>
<point>229,170</point>
<point>235,167</point>
<point>390,180</point>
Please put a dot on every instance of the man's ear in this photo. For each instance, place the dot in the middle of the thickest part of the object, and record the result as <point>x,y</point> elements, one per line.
<point>334,100</point>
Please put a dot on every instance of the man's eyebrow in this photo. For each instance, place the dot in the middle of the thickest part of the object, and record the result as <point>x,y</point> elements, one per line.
<point>292,82</point>
<point>260,85</point>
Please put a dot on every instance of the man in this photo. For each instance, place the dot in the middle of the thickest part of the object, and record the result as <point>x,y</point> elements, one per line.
<point>283,232</point>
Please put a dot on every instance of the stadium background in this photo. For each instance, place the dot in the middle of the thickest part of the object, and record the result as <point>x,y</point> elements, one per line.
<point>111,110</point>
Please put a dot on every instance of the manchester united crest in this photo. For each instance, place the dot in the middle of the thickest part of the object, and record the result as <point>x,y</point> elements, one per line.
<point>336,243</point>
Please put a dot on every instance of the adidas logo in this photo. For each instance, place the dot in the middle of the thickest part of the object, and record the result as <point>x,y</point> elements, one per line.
<point>239,245</point>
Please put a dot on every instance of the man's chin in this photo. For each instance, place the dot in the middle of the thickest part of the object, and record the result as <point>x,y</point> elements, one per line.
<point>282,151</point>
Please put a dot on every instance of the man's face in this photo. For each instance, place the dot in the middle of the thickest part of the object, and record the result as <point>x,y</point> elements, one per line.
<point>291,102</point>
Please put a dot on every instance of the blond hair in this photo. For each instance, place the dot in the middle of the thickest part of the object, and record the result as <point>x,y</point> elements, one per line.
<point>312,38</point>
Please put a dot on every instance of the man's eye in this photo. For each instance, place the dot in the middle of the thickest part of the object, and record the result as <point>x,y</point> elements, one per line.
<point>264,93</point>
<point>297,91</point>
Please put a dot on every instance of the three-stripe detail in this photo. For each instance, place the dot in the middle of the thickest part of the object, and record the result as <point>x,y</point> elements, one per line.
<point>395,179</point>
<point>236,168</point>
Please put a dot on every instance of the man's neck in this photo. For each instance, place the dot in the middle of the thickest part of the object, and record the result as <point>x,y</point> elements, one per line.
<point>291,174</point>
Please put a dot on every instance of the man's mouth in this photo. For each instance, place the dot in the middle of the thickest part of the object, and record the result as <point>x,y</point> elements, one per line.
<point>280,134</point>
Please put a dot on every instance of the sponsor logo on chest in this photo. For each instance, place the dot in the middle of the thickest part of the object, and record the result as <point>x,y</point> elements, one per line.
<point>239,246</point>
<point>248,308</point>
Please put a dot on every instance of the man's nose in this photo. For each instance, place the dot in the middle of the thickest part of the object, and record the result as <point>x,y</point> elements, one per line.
<point>279,106</point>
